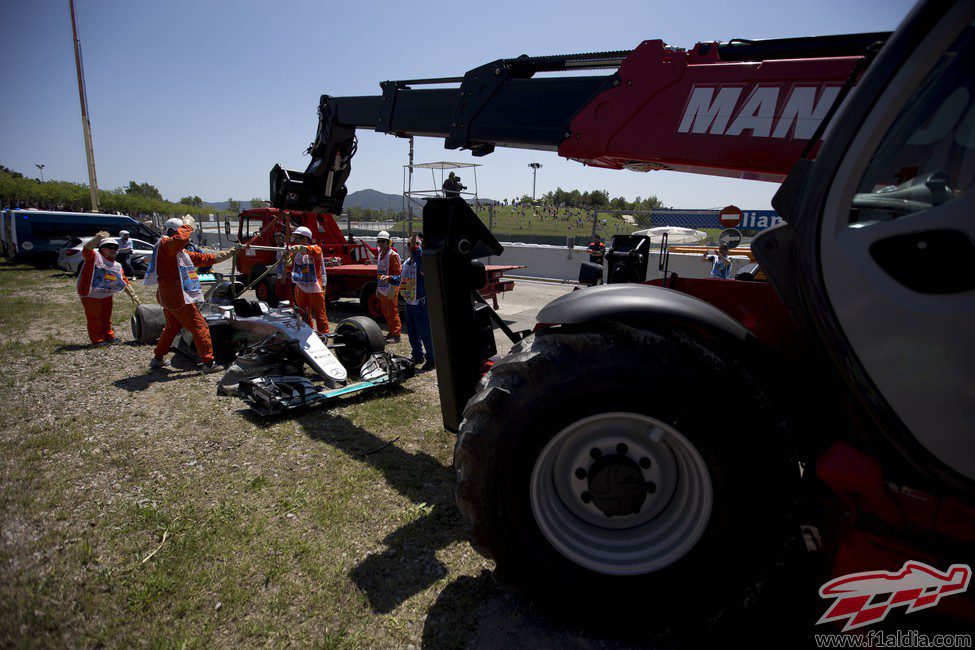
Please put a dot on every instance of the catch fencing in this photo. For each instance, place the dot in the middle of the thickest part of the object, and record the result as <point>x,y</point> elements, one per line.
<point>540,225</point>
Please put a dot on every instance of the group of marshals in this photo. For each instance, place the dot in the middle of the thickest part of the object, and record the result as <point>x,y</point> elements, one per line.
<point>172,270</point>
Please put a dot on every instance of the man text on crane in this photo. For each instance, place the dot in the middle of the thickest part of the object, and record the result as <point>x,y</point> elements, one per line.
<point>179,290</point>
<point>389,268</point>
<point>308,275</point>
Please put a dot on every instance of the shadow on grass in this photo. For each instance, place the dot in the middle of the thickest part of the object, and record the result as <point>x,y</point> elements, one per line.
<point>409,564</point>
<point>451,619</point>
<point>180,369</point>
<point>73,347</point>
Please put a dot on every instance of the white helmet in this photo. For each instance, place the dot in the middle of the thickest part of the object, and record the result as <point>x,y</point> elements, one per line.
<point>173,224</point>
<point>382,235</point>
<point>301,230</point>
<point>123,233</point>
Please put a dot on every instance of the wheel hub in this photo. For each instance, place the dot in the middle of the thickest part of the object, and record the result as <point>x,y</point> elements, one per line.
<point>616,485</point>
<point>621,493</point>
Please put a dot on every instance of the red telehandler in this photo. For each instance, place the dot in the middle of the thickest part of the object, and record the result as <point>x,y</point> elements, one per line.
<point>652,452</point>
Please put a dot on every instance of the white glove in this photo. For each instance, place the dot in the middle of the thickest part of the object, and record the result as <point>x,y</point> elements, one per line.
<point>188,220</point>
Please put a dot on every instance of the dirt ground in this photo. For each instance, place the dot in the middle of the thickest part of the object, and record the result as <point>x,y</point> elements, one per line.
<point>142,509</point>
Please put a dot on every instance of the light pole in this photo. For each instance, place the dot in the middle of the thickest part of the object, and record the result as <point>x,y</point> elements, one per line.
<point>85,122</point>
<point>535,167</point>
<point>40,167</point>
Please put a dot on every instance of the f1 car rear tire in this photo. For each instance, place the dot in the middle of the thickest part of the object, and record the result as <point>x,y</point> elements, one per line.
<point>360,337</point>
<point>147,323</point>
<point>599,468</point>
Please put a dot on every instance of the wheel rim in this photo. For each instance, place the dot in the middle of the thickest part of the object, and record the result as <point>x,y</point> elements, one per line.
<point>621,493</point>
<point>353,353</point>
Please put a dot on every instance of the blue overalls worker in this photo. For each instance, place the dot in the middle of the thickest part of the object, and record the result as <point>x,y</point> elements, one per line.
<point>413,289</point>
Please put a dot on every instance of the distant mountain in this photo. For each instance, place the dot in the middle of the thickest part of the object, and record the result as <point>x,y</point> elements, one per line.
<point>376,200</point>
<point>223,206</point>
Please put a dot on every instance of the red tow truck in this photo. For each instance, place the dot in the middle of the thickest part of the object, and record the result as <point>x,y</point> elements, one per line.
<point>350,264</point>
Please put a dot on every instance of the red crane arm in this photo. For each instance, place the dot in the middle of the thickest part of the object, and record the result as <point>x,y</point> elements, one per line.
<point>688,112</point>
<point>745,109</point>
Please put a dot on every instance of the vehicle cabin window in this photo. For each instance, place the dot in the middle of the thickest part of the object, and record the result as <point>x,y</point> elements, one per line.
<point>927,157</point>
<point>249,227</point>
<point>141,246</point>
<point>144,232</point>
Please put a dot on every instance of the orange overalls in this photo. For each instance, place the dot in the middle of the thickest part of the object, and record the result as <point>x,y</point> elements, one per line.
<point>176,292</point>
<point>308,275</point>
<point>388,290</point>
<point>98,282</point>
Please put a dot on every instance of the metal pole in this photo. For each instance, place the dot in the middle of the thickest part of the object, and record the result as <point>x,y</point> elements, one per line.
<point>85,123</point>
<point>535,166</point>
<point>409,199</point>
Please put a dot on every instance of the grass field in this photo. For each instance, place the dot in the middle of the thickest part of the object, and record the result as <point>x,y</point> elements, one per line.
<point>536,221</point>
<point>141,509</point>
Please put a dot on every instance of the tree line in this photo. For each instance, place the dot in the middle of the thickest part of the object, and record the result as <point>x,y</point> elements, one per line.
<point>595,199</point>
<point>17,190</point>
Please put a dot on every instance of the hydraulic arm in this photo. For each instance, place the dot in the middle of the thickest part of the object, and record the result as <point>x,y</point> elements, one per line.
<point>745,109</point>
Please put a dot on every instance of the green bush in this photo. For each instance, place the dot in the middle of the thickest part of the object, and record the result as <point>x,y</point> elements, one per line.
<point>63,195</point>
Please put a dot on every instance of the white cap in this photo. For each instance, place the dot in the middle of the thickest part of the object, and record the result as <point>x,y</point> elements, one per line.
<point>107,241</point>
<point>382,235</point>
<point>123,233</point>
<point>173,224</point>
<point>301,230</point>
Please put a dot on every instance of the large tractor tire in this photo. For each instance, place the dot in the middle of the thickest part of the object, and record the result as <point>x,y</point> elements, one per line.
<point>360,337</point>
<point>147,323</point>
<point>627,477</point>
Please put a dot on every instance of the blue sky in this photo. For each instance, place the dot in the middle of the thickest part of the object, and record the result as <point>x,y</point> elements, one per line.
<point>203,97</point>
